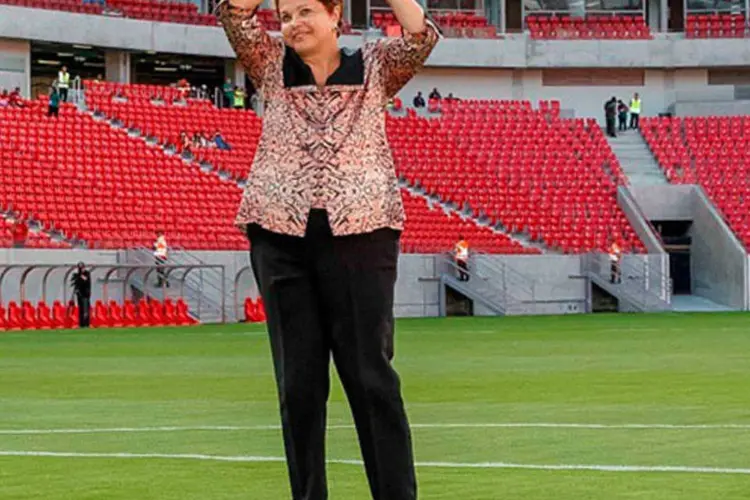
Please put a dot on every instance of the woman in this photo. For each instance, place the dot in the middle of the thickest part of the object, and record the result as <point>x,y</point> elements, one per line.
<point>323,212</point>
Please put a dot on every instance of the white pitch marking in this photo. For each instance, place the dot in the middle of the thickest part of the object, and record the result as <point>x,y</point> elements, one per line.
<point>445,465</point>
<point>509,425</point>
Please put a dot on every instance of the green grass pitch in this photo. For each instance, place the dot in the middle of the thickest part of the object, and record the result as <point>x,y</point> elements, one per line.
<point>651,391</point>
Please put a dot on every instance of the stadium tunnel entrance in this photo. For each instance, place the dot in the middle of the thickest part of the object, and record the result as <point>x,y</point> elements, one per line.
<point>82,61</point>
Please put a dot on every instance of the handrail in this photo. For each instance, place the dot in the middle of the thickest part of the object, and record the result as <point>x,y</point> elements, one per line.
<point>649,276</point>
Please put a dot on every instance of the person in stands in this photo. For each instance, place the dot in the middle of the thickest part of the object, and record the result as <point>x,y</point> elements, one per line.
<point>161,254</point>
<point>419,100</point>
<point>622,116</point>
<point>63,83</point>
<point>15,99</point>
<point>4,99</point>
<point>82,288</point>
<point>53,108</point>
<point>615,255</point>
<point>227,93</point>
<point>239,98</point>
<point>461,254</point>
<point>635,111</point>
<point>610,115</point>
<point>435,94</point>
<point>220,142</point>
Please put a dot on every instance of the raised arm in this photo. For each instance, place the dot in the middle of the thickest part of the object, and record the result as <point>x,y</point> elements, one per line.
<point>401,58</point>
<point>255,48</point>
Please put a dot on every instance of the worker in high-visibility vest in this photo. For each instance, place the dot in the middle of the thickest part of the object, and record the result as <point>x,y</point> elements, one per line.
<point>615,255</point>
<point>635,111</point>
<point>63,83</point>
<point>462,258</point>
<point>161,253</point>
<point>239,98</point>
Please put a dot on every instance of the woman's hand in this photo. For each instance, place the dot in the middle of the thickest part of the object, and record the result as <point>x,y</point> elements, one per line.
<point>245,4</point>
<point>409,13</point>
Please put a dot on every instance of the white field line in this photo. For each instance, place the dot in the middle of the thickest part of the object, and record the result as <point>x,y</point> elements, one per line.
<point>509,425</point>
<point>445,465</point>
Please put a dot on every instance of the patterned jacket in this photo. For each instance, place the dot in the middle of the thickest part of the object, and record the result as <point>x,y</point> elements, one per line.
<point>323,148</point>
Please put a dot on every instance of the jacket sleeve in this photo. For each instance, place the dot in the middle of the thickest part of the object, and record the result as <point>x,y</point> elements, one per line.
<point>400,58</point>
<point>256,50</point>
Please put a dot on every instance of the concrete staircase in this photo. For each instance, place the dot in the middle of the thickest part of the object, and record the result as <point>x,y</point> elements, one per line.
<point>636,159</point>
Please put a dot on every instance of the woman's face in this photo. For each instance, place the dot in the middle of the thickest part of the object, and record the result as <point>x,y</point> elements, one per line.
<point>306,25</point>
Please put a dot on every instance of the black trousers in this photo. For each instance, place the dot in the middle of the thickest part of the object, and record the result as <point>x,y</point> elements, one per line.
<point>614,269</point>
<point>611,126</point>
<point>326,297</point>
<point>63,94</point>
<point>622,120</point>
<point>463,270</point>
<point>84,310</point>
<point>53,111</point>
<point>635,120</point>
<point>160,273</point>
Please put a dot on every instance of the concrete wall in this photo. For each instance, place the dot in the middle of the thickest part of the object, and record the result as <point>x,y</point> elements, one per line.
<point>713,108</point>
<point>15,65</point>
<point>719,261</point>
<point>515,51</point>
<point>555,291</point>
<point>667,202</point>
<point>556,288</point>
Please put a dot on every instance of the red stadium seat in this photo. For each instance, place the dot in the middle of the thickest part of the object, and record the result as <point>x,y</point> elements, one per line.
<point>3,318</point>
<point>71,318</point>
<point>116,319</point>
<point>157,313</point>
<point>130,315</point>
<point>59,314</point>
<point>170,313</point>
<point>144,314</point>
<point>28,316</point>
<point>43,317</point>
<point>100,316</point>
<point>183,316</point>
<point>15,320</point>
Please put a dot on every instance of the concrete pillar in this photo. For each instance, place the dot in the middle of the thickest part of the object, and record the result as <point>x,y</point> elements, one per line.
<point>117,63</point>
<point>15,65</point>
<point>239,75</point>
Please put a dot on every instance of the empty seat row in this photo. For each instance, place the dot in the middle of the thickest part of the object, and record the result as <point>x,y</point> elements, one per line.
<point>145,313</point>
<point>716,26</point>
<point>617,27</point>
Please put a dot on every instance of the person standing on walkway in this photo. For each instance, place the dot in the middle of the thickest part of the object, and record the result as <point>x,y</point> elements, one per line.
<point>323,212</point>
<point>82,290</point>
<point>635,111</point>
<point>63,83</point>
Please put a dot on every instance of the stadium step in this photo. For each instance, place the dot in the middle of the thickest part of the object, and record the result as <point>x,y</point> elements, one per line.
<point>636,159</point>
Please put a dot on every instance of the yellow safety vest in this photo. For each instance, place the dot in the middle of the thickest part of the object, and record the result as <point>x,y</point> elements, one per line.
<point>635,106</point>
<point>64,80</point>
<point>239,99</point>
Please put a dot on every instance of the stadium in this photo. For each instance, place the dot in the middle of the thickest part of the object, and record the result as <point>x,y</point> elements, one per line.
<point>593,157</point>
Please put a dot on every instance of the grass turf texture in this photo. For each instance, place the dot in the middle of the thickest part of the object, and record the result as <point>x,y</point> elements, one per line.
<point>610,369</point>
